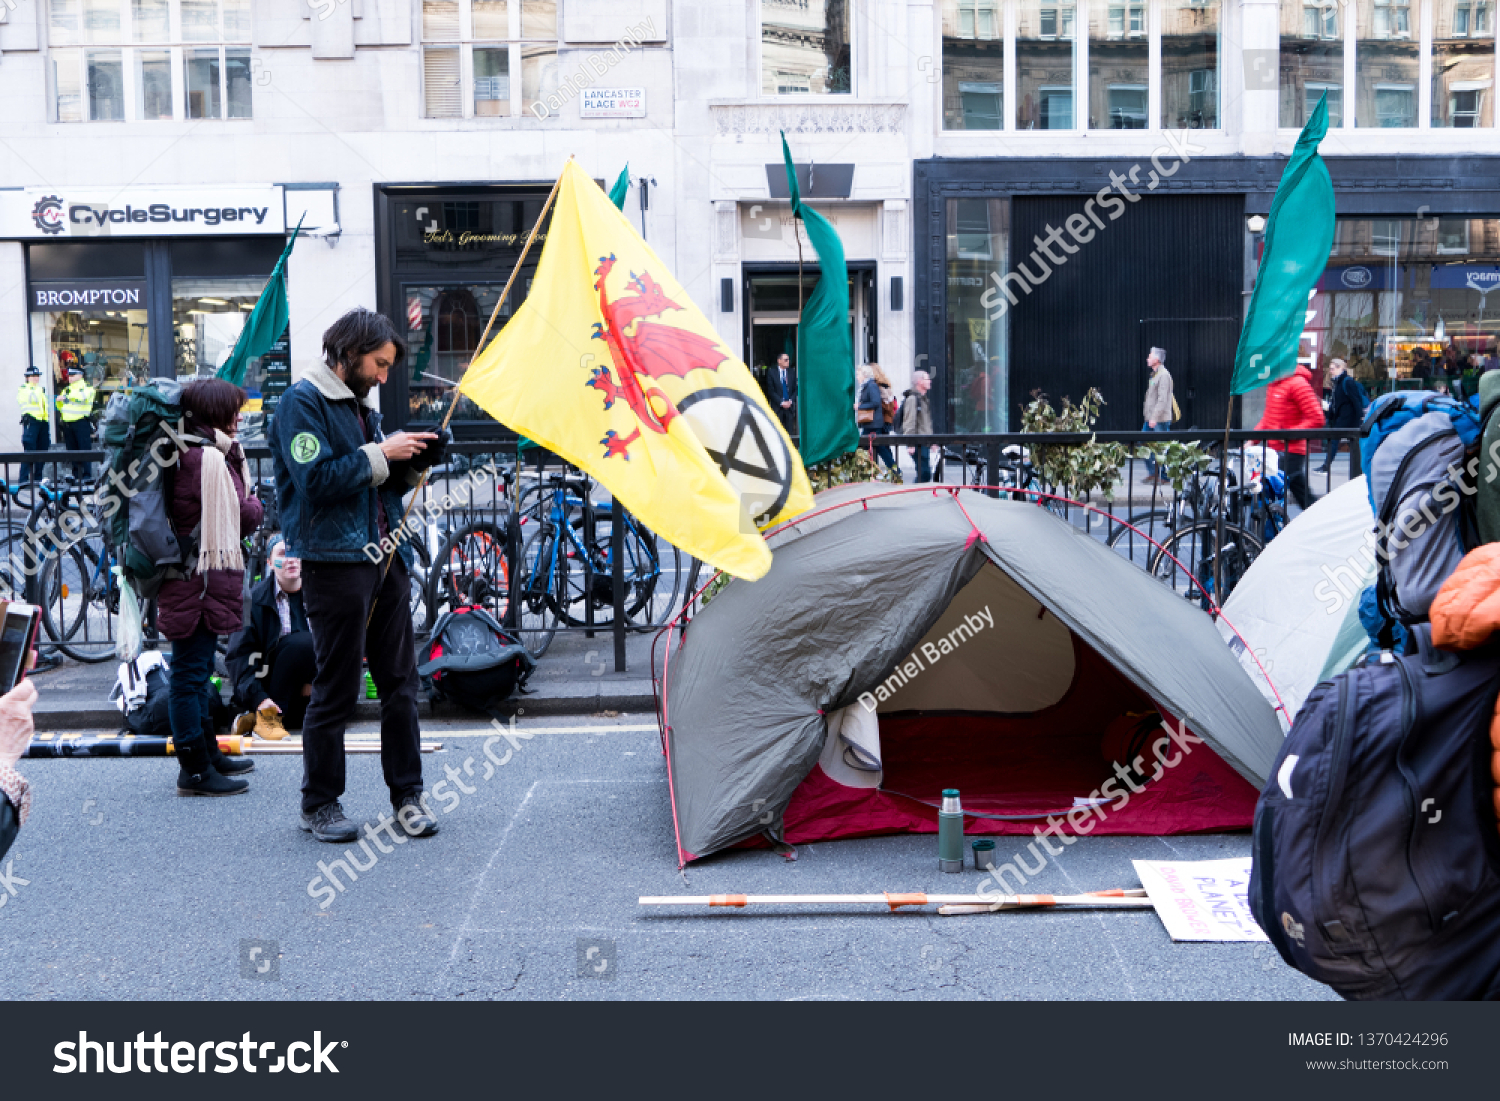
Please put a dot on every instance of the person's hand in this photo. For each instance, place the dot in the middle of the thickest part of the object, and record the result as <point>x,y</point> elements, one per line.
<point>434,453</point>
<point>16,723</point>
<point>270,705</point>
<point>1150,424</point>
<point>401,446</point>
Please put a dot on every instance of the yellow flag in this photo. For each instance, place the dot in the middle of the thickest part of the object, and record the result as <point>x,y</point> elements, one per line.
<point>609,364</point>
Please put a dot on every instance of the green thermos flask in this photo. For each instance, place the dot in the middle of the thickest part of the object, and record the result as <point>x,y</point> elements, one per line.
<point>950,833</point>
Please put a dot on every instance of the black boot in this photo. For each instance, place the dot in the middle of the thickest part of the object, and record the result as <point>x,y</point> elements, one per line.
<point>199,777</point>
<point>224,764</point>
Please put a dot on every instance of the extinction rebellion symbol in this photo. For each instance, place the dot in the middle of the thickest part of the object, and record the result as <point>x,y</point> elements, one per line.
<point>48,214</point>
<point>742,438</point>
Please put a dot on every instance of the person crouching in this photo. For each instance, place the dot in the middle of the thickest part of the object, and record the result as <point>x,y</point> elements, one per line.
<point>209,492</point>
<point>271,660</point>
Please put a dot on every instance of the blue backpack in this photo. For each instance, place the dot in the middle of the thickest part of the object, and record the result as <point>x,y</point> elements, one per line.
<point>1413,443</point>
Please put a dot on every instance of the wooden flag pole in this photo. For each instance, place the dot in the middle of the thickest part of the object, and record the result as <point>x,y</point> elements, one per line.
<point>453,402</point>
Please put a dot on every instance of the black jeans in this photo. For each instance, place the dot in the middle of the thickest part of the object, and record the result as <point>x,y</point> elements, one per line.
<point>338,597</point>
<point>188,692</point>
<point>292,660</point>
<point>79,436</point>
<point>1296,478</point>
<point>35,436</point>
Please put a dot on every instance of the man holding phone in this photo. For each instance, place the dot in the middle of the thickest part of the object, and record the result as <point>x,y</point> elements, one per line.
<point>340,481</point>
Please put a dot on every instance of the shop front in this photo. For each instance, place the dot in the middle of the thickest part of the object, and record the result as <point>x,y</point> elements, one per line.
<point>1059,275</point>
<point>443,255</point>
<point>135,284</point>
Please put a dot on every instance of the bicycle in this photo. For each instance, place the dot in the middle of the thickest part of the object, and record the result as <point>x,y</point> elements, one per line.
<point>1197,548</point>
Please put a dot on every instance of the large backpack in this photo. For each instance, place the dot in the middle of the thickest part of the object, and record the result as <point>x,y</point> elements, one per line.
<point>134,491</point>
<point>1413,443</point>
<point>473,661</point>
<point>1376,856</point>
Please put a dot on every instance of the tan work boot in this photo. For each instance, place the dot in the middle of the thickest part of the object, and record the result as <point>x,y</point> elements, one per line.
<point>268,725</point>
<point>244,724</point>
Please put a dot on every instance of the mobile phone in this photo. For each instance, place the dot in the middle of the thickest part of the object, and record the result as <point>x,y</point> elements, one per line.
<point>18,631</point>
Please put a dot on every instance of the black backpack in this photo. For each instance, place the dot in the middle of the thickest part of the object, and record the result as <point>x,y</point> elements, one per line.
<point>473,661</point>
<point>1377,861</point>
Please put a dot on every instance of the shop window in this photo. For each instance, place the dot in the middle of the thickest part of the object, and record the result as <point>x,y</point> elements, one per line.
<point>208,79</point>
<point>1386,63</point>
<point>805,45</point>
<point>1312,61</point>
<point>1190,64</point>
<point>1119,67</point>
<point>444,324</point>
<point>973,65</point>
<point>208,315</point>
<point>488,58</point>
<point>977,335</point>
<point>1463,64</point>
<point>1045,52</point>
<point>1406,300</point>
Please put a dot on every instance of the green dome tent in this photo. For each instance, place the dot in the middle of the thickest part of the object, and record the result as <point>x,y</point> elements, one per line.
<point>1003,652</point>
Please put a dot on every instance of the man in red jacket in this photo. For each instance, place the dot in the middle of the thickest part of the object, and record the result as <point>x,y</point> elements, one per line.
<point>1292,405</point>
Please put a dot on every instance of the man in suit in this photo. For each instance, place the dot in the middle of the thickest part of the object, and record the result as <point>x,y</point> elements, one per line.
<point>782,383</point>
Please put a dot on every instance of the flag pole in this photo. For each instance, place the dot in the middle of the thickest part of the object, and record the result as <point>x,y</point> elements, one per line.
<point>453,401</point>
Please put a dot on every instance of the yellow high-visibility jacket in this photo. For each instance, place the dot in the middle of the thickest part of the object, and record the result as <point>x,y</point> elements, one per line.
<point>76,402</point>
<point>33,401</point>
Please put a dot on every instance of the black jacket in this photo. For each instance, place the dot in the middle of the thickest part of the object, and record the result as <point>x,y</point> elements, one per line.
<point>870,398</point>
<point>249,646</point>
<point>10,824</point>
<point>1346,410</point>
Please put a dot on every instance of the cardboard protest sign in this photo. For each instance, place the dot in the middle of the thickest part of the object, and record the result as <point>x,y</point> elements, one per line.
<point>1202,900</point>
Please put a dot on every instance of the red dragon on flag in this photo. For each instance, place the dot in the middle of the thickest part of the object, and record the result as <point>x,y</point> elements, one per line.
<point>643,349</point>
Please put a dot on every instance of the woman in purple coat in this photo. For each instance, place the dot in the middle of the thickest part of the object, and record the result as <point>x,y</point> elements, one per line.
<point>209,495</point>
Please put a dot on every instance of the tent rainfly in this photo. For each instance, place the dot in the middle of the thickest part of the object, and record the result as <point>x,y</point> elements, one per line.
<point>916,641</point>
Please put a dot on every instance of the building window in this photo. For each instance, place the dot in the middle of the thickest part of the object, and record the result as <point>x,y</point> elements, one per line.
<point>150,73</point>
<point>489,58</point>
<point>1190,64</point>
<point>1463,64</point>
<point>1312,61</point>
<point>977,329</point>
<point>973,65</point>
<point>1386,63</point>
<point>805,47</point>
<point>1045,58</point>
<point>1119,66</point>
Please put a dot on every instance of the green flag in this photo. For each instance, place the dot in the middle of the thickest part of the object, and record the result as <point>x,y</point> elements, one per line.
<point>266,322</point>
<point>1299,235</point>
<point>621,189</point>
<point>825,348</point>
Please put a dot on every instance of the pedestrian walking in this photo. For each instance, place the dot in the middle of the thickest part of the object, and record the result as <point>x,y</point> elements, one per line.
<point>1157,408</point>
<point>36,422</point>
<point>271,660</point>
<point>74,406</point>
<point>339,482</point>
<point>1346,409</point>
<point>783,385</point>
<point>916,420</point>
<point>212,510</point>
<point>871,408</point>
<point>1291,405</point>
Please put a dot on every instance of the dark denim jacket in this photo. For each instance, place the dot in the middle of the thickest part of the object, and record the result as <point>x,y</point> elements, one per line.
<point>329,480</point>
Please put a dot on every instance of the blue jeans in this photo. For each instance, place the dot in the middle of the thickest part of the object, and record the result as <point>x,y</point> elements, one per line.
<point>923,459</point>
<point>1162,426</point>
<point>187,698</point>
<point>882,452</point>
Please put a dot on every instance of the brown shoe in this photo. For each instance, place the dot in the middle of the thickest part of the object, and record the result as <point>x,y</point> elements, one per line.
<point>244,724</point>
<point>268,725</point>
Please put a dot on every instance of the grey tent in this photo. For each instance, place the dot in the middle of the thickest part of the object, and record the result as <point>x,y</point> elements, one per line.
<point>916,641</point>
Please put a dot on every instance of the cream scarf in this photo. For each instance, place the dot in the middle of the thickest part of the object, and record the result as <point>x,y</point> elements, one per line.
<point>219,529</point>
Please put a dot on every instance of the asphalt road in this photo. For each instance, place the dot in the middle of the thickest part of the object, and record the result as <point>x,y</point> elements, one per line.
<point>132,892</point>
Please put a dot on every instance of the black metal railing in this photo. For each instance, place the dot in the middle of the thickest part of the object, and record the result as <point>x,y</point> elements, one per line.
<point>487,507</point>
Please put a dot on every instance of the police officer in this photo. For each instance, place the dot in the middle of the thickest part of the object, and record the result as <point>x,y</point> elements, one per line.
<point>74,405</point>
<point>36,423</point>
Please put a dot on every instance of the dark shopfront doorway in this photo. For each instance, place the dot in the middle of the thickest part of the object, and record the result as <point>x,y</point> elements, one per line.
<point>770,310</point>
<point>1168,273</point>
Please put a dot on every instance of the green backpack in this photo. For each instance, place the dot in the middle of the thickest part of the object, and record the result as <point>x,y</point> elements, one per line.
<point>142,429</point>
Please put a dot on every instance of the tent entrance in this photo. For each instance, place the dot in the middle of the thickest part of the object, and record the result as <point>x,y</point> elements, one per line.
<point>1004,702</point>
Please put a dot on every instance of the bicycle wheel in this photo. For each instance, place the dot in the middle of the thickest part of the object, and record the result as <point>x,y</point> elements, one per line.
<point>531,589</point>
<point>93,641</point>
<point>1196,548</point>
<point>471,569</point>
<point>642,571</point>
<point>62,593</point>
<point>1137,545</point>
